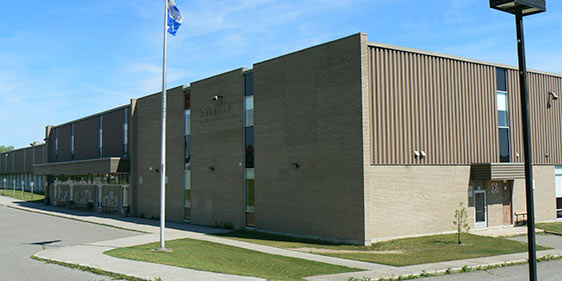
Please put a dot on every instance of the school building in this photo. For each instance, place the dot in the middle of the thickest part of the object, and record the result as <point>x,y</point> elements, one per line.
<point>350,141</point>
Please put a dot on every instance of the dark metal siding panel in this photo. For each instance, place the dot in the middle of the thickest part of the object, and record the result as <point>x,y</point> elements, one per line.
<point>19,161</point>
<point>29,159</point>
<point>39,154</point>
<point>64,143</point>
<point>86,135</point>
<point>480,172</point>
<point>4,166</point>
<point>51,146</point>
<point>443,106</point>
<point>113,133</point>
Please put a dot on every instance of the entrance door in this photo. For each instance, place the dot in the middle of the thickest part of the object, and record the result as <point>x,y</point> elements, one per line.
<point>506,204</point>
<point>480,208</point>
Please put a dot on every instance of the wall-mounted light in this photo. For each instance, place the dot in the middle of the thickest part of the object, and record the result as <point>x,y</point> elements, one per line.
<point>150,169</point>
<point>217,98</point>
<point>552,96</point>
<point>211,168</point>
<point>546,155</point>
<point>422,154</point>
<point>416,154</point>
<point>296,165</point>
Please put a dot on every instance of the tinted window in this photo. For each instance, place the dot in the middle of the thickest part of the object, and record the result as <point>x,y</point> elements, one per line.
<point>249,147</point>
<point>502,118</point>
<point>501,79</point>
<point>504,144</point>
<point>187,149</point>
<point>249,84</point>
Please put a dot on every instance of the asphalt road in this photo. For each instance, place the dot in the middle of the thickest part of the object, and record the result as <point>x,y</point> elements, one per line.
<point>23,234</point>
<point>547,271</point>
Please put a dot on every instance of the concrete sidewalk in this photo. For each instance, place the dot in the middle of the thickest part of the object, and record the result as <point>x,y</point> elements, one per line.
<point>91,255</point>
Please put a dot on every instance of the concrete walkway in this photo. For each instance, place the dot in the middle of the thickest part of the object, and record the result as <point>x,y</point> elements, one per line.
<point>91,255</point>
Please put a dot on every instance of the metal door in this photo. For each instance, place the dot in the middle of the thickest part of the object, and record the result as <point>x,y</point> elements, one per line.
<point>480,209</point>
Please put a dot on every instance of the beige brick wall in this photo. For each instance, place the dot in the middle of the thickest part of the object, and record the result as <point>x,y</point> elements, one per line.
<point>146,131</point>
<point>544,194</point>
<point>217,140</point>
<point>414,200</point>
<point>308,110</point>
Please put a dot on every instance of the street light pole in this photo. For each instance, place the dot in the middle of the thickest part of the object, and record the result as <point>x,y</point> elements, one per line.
<point>524,94</point>
<point>521,8</point>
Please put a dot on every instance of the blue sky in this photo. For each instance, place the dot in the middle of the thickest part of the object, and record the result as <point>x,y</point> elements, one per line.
<point>63,60</point>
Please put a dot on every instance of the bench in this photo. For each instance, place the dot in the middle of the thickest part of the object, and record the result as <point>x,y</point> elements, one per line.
<point>520,218</point>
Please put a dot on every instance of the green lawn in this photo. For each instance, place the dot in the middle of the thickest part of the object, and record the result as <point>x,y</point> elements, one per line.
<point>552,227</point>
<point>400,252</point>
<point>27,195</point>
<point>208,256</point>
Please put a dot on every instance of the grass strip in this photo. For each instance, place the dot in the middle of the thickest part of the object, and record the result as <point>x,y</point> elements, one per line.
<point>97,271</point>
<point>448,271</point>
<point>215,257</point>
<point>38,198</point>
<point>400,252</point>
<point>551,227</point>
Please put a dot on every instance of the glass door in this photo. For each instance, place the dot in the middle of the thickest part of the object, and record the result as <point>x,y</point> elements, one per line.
<point>480,208</point>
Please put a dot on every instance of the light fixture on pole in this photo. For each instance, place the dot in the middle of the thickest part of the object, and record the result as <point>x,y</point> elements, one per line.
<point>521,8</point>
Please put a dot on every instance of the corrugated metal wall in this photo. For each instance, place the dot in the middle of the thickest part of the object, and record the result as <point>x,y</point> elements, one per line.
<point>442,106</point>
<point>447,108</point>
<point>546,122</point>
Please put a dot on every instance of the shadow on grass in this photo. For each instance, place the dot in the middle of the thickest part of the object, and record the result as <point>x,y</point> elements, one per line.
<point>257,235</point>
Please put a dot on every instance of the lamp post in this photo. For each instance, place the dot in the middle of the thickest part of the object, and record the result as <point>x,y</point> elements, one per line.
<point>31,184</point>
<point>521,8</point>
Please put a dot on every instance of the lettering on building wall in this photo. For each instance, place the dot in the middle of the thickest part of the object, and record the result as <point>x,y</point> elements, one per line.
<point>220,113</point>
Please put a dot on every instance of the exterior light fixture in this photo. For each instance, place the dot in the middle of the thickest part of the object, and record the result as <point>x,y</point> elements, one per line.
<point>416,154</point>
<point>422,154</point>
<point>551,97</point>
<point>524,7</point>
<point>296,165</point>
<point>217,98</point>
<point>153,169</point>
<point>521,8</point>
<point>211,168</point>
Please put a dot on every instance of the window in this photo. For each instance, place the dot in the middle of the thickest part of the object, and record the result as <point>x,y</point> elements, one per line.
<point>100,137</point>
<point>187,190</point>
<point>503,117</point>
<point>249,182</point>
<point>125,132</point>
<point>249,111</point>
<point>72,141</point>
<point>249,186</point>
<point>56,144</point>
<point>558,194</point>
<point>187,163</point>
<point>187,136</point>
<point>249,149</point>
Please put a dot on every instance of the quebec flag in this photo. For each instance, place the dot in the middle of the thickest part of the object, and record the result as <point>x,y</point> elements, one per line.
<point>175,18</point>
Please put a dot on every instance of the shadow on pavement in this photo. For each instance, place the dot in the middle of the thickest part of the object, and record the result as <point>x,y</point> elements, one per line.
<point>135,220</point>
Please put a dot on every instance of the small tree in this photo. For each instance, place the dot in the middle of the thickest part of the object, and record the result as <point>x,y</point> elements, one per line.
<point>461,222</point>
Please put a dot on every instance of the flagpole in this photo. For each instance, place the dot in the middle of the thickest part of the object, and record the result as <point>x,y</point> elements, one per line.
<point>163,148</point>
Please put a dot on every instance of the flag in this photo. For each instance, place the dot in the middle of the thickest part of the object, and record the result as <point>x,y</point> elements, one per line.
<point>175,18</point>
